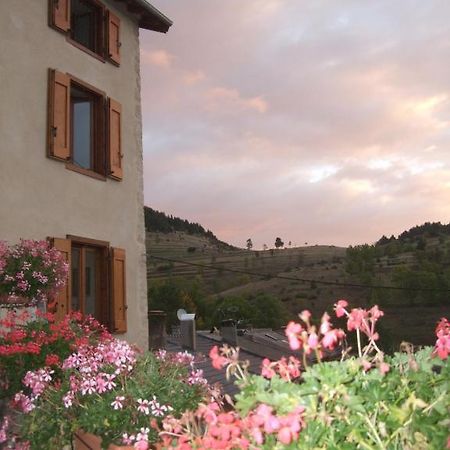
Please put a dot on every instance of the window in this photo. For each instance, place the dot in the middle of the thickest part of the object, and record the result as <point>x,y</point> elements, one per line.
<point>96,281</point>
<point>88,270</point>
<point>84,128</point>
<point>87,122</point>
<point>88,25</point>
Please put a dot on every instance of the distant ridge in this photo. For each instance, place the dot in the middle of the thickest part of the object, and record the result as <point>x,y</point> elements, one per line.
<point>160,222</point>
<point>426,230</point>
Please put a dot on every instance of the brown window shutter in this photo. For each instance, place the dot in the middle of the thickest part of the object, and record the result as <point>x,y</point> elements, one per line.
<point>61,304</point>
<point>115,139</point>
<point>59,115</point>
<point>114,43</point>
<point>118,291</point>
<point>60,14</point>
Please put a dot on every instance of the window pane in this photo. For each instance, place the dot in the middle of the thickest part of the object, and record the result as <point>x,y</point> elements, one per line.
<point>75,279</point>
<point>82,133</point>
<point>84,23</point>
<point>90,282</point>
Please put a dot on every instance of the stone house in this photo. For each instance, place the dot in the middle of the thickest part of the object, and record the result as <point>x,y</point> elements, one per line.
<point>71,167</point>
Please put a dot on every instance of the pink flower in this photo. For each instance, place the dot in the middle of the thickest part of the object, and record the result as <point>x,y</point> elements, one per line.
<point>293,329</point>
<point>366,365</point>
<point>109,383</point>
<point>128,439</point>
<point>305,316</point>
<point>285,435</point>
<point>313,340</point>
<point>143,406</point>
<point>101,384</point>
<point>218,361</point>
<point>325,325</point>
<point>340,307</point>
<point>375,312</point>
<point>332,338</point>
<point>267,370</point>
<point>141,445</point>
<point>68,399</point>
<point>384,368</point>
<point>118,402</point>
<point>442,346</point>
<point>355,319</point>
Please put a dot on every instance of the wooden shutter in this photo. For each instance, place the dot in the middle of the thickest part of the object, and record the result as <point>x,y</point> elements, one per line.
<point>118,291</point>
<point>61,304</point>
<point>114,43</point>
<point>115,139</point>
<point>60,14</point>
<point>59,115</point>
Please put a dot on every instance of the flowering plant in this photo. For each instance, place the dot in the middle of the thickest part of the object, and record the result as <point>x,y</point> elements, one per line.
<point>110,390</point>
<point>30,270</point>
<point>28,345</point>
<point>365,401</point>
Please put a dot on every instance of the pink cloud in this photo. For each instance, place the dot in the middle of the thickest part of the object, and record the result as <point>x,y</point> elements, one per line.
<point>222,97</point>
<point>318,124</point>
<point>160,58</point>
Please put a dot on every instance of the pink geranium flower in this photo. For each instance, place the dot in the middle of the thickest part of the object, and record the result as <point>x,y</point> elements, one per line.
<point>293,330</point>
<point>218,361</point>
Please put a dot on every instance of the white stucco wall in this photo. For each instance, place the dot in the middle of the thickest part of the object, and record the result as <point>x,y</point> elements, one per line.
<point>39,197</point>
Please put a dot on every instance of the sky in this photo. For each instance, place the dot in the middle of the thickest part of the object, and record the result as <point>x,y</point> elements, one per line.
<point>326,122</point>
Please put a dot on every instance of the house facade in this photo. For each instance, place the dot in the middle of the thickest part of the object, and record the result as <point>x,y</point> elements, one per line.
<point>71,166</point>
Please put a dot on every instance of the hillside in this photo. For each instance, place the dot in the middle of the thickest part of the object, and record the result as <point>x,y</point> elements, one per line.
<point>420,256</point>
<point>159,222</point>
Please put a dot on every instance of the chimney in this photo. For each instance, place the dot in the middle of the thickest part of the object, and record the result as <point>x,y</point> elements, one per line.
<point>228,331</point>
<point>156,329</point>
<point>188,332</point>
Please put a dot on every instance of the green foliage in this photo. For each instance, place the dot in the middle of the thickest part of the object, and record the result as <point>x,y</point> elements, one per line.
<point>175,293</point>
<point>157,221</point>
<point>422,282</point>
<point>429,277</point>
<point>278,242</point>
<point>51,425</point>
<point>348,408</point>
<point>261,310</point>
<point>37,343</point>
<point>360,260</point>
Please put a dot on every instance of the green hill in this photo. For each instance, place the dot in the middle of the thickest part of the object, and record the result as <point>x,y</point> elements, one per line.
<point>311,277</point>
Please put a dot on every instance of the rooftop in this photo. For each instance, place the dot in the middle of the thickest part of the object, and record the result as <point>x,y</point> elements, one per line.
<point>150,18</point>
<point>255,345</point>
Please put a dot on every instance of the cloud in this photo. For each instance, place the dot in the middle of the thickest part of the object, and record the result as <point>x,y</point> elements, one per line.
<point>160,58</point>
<point>325,122</point>
<point>194,77</point>
<point>222,97</point>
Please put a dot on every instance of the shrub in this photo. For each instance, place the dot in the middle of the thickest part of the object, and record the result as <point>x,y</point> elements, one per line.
<point>109,390</point>
<point>30,272</point>
<point>28,345</point>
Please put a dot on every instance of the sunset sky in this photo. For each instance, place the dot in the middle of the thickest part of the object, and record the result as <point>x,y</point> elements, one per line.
<point>324,122</point>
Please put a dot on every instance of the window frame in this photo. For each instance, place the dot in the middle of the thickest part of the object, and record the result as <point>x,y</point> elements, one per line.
<point>108,146</point>
<point>102,35</point>
<point>114,314</point>
<point>103,295</point>
<point>99,131</point>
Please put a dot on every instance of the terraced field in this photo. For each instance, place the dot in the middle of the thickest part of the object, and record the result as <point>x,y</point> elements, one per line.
<point>282,272</point>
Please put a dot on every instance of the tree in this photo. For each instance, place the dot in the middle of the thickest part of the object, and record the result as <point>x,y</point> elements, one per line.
<point>249,244</point>
<point>260,310</point>
<point>278,242</point>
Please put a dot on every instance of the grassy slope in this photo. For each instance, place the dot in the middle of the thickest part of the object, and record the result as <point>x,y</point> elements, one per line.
<point>414,323</point>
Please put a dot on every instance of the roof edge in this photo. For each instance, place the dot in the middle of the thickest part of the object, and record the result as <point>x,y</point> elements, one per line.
<point>150,17</point>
